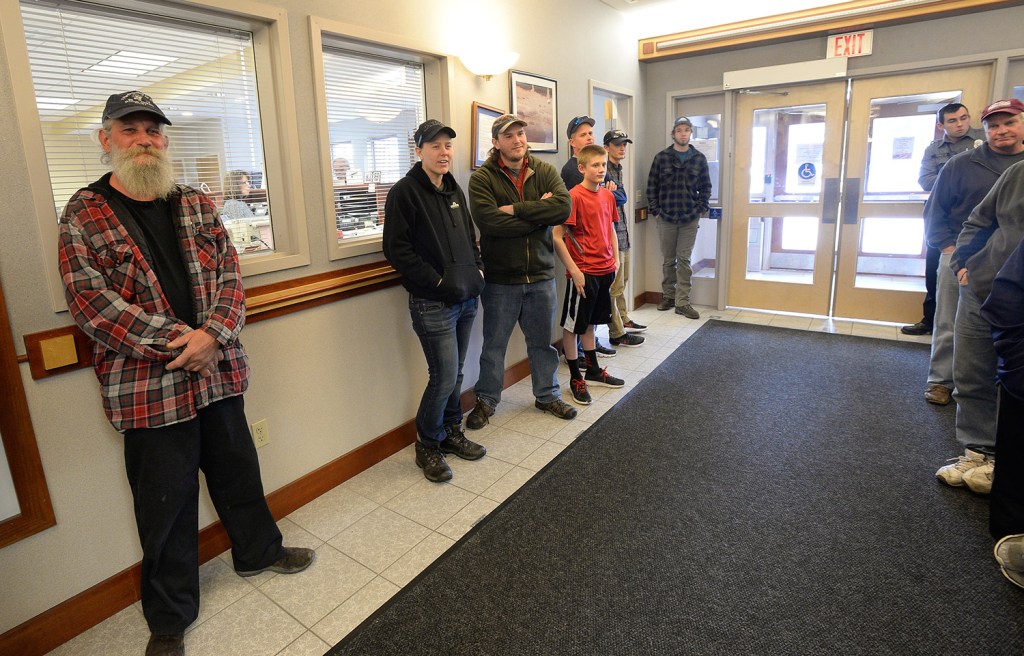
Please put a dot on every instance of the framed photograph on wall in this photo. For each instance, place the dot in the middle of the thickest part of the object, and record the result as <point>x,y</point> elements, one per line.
<point>483,119</point>
<point>535,100</point>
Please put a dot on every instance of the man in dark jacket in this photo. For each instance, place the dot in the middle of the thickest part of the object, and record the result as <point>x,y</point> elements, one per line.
<point>678,192</point>
<point>516,199</point>
<point>991,232</point>
<point>962,182</point>
<point>1004,310</point>
<point>429,240</point>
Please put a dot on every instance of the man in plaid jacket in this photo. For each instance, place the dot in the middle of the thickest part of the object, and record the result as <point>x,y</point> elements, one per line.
<point>151,276</point>
<point>678,192</point>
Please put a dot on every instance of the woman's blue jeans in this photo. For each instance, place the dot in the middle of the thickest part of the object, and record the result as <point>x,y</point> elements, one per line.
<point>444,332</point>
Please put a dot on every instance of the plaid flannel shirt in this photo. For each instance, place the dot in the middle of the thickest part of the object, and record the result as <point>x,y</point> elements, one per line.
<point>678,192</point>
<point>115,298</point>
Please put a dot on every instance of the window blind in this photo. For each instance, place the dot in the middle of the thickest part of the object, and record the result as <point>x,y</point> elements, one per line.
<point>374,105</point>
<point>202,76</point>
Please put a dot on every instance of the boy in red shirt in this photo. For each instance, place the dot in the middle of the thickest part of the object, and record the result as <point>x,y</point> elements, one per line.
<point>587,246</point>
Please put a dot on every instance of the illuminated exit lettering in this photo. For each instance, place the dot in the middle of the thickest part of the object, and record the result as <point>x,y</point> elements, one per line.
<point>854,44</point>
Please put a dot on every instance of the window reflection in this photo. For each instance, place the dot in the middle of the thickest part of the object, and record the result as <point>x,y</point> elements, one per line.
<point>899,130</point>
<point>786,159</point>
<point>782,249</point>
<point>891,254</point>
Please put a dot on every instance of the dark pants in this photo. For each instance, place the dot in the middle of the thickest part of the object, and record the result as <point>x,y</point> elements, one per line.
<point>931,268</point>
<point>1006,503</point>
<point>163,470</point>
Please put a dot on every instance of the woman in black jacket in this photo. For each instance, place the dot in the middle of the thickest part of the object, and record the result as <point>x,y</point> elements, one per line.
<point>429,240</point>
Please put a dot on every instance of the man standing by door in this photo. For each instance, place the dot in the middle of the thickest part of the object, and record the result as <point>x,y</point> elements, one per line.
<point>992,230</point>
<point>961,184</point>
<point>678,193</point>
<point>957,136</point>
<point>947,208</point>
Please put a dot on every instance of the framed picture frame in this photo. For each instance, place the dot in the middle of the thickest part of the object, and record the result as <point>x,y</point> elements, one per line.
<point>483,119</point>
<point>535,100</point>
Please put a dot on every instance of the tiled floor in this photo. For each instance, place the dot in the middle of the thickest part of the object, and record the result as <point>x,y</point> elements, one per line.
<point>376,532</point>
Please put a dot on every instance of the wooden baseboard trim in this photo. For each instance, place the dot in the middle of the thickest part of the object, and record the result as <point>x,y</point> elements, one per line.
<point>50,629</point>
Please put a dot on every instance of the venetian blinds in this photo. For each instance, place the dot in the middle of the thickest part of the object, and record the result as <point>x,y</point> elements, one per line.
<point>203,77</point>
<point>374,105</point>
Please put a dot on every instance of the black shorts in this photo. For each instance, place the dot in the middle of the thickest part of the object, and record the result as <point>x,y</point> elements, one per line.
<point>578,312</point>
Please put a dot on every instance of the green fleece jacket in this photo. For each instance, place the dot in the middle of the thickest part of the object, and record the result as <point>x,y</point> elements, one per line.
<point>517,248</point>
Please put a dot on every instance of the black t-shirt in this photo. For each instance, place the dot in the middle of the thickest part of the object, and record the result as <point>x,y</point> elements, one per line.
<point>156,221</point>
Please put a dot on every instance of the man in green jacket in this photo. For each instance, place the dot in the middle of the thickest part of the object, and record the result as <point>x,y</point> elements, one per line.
<point>515,200</point>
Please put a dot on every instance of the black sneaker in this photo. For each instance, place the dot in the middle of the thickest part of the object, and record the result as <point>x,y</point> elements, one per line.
<point>171,644</point>
<point>293,559</point>
<point>580,394</point>
<point>688,311</point>
<point>666,304</point>
<point>629,339</point>
<point>634,326</point>
<point>431,461</point>
<point>477,418</point>
<point>919,328</point>
<point>603,379</point>
<point>558,407</point>
<point>602,350</point>
<point>457,443</point>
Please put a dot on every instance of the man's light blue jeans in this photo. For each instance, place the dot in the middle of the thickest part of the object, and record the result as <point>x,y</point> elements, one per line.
<point>532,306</point>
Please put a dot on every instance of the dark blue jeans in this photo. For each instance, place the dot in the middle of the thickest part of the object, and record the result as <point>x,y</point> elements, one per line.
<point>163,470</point>
<point>532,306</point>
<point>444,332</point>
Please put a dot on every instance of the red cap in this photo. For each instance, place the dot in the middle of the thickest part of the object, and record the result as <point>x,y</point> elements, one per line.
<point>1011,107</point>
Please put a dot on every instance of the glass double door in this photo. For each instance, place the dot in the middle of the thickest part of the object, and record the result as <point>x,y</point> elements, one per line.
<point>826,202</point>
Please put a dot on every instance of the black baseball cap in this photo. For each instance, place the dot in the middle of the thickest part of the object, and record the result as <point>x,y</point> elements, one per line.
<point>129,102</point>
<point>616,137</point>
<point>428,130</point>
<point>576,122</point>
<point>682,120</point>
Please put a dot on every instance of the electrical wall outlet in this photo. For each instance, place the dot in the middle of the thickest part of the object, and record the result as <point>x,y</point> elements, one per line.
<point>261,433</point>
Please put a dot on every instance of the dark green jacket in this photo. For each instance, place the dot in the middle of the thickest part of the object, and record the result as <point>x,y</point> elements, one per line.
<point>517,248</point>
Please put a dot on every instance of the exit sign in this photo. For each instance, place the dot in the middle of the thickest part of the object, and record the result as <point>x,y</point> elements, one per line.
<point>854,44</point>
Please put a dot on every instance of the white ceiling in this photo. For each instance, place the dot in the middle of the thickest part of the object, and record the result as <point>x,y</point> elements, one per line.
<point>649,18</point>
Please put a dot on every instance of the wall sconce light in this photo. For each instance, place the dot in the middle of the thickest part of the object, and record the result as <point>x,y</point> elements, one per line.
<point>487,63</point>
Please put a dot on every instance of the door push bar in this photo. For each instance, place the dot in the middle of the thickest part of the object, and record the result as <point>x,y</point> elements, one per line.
<point>851,201</point>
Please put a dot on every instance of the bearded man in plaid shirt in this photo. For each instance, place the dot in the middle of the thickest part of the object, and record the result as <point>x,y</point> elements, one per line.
<point>151,276</point>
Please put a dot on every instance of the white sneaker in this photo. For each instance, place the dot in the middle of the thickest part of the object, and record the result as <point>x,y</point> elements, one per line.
<point>954,474</point>
<point>979,479</point>
<point>1009,552</point>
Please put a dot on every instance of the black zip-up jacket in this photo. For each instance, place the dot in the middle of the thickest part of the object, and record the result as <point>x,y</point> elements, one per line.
<point>429,238</point>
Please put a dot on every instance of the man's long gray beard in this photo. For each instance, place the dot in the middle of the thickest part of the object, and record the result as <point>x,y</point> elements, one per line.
<point>153,178</point>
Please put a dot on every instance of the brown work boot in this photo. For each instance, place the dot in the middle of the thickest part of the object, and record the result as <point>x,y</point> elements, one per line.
<point>292,560</point>
<point>938,394</point>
